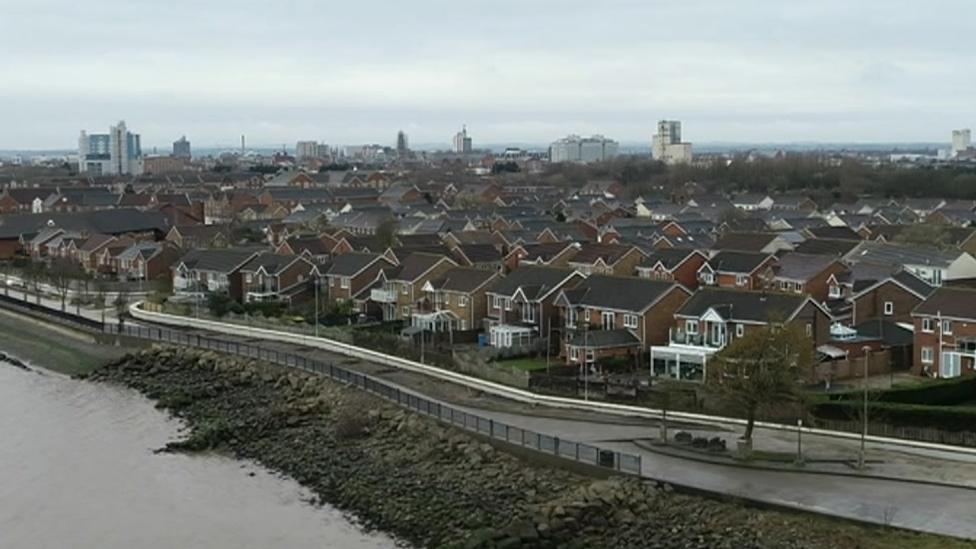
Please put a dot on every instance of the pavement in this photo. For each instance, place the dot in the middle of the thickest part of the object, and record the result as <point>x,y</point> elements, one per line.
<point>923,490</point>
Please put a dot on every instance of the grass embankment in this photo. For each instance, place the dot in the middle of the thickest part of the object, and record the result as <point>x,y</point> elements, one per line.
<point>51,347</point>
<point>526,364</point>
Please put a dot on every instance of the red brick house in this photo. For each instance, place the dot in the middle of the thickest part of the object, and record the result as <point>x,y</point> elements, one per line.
<point>805,274</point>
<point>892,298</point>
<point>676,265</point>
<point>272,277</point>
<point>351,273</point>
<point>744,270</point>
<point>945,333</point>
<point>521,305</point>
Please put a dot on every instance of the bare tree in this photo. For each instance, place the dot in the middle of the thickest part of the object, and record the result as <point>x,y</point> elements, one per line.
<point>61,275</point>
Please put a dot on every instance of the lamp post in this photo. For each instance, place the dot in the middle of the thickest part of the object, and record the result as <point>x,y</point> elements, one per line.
<point>317,280</point>
<point>799,442</point>
<point>864,411</point>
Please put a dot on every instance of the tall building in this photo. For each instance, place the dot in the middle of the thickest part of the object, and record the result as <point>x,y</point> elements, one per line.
<point>667,146</point>
<point>574,148</point>
<point>402,145</point>
<point>306,150</point>
<point>118,152</point>
<point>462,143</point>
<point>181,148</point>
<point>961,141</point>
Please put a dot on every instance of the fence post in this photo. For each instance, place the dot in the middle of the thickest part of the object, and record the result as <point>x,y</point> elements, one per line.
<point>555,446</point>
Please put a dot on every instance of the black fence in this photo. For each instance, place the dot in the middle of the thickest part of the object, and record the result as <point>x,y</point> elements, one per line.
<point>61,317</point>
<point>579,452</point>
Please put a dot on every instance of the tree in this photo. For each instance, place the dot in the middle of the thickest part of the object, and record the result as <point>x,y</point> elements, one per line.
<point>101,288</point>
<point>121,304</point>
<point>924,234</point>
<point>386,233</point>
<point>34,273</point>
<point>61,274</point>
<point>759,371</point>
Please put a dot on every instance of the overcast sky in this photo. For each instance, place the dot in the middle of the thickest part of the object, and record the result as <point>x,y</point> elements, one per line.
<point>514,71</point>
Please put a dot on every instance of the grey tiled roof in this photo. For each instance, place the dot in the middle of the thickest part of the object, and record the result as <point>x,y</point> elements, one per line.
<point>620,293</point>
<point>739,305</point>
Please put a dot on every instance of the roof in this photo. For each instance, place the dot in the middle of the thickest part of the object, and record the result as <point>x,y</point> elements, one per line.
<point>599,339</point>
<point>350,264</point>
<point>417,264</point>
<point>270,263</point>
<point>543,251</point>
<point>745,242</point>
<point>743,306</point>
<point>534,282</point>
<point>480,253</point>
<point>840,233</point>
<point>826,246</point>
<point>620,293</point>
<point>669,258</point>
<point>737,262</point>
<point>894,254</point>
<point>462,279</point>
<point>222,261</point>
<point>950,301</point>
<point>890,333</point>
<point>802,267</point>
<point>114,222</point>
<point>590,252</point>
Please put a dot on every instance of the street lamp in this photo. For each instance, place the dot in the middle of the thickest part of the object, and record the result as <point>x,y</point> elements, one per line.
<point>864,411</point>
<point>317,281</point>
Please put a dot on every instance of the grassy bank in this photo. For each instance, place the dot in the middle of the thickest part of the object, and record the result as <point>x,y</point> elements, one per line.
<point>51,347</point>
<point>435,486</point>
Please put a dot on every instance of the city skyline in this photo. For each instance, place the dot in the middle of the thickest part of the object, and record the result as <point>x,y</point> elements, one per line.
<point>764,72</point>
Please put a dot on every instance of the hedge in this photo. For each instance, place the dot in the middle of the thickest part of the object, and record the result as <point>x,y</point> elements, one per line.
<point>946,418</point>
<point>945,392</point>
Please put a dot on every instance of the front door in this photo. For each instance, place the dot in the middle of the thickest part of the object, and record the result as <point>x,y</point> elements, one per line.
<point>718,334</point>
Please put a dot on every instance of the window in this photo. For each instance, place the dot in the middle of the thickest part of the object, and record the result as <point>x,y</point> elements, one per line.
<point>927,325</point>
<point>707,278</point>
<point>798,287</point>
<point>344,282</point>
<point>926,355</point>
<point>528,312</point>
<point>571,318</point>
<point>784,285</point>
<point>741,280</point>
<point>497,300</point>
<point>574,354</point>
<point>630,321</point>
<point>462,325</point>
<point>834,291</point>
<point>405,310</point>
<point>937,277</point>
<point>462,301</point>
<point>889,308</point>
<point>947,327</point>
<point>809,329</point>
<point>404,288</point>
<point>608,320</point>
<point>740,330</point>
<point>508,304</point>
<point>247,278</point>
<point>691,326</point>
<point>590,355</point>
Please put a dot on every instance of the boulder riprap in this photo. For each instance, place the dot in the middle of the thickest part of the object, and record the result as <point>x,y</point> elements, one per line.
<point>428,483</point>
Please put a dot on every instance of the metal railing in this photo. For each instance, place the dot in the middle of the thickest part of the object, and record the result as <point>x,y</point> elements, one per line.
<point>566,449</point>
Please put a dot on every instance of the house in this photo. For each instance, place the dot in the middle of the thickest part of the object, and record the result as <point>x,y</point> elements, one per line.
<point>892,298</point>
<point>945,333</point>
<point>794,202</point>
<point>521,305</point>
<point>146,261</point>
<point>202,271</point>
<point>403,287</point>
<point>602,188</point>
<point>551,254</point>
<point>713,317</point>
<point>805,274</point>
<point>675,265</point>
<point>609,259</point>
<point>752,202</point>
<point>87,253</point>
<point>932,265</point>
<point>318,249</point>
<point>479,256</point>
<point>454,301</point>
<point>269,277</point>
<point>190,237</point>
<point>609,316</point>
<point>729,269</point>
<point>767,243</point>
<point>349,274</point>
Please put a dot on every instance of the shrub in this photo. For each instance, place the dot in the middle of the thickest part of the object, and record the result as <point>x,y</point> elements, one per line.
<point>946,392</point>
<point>946,418</point>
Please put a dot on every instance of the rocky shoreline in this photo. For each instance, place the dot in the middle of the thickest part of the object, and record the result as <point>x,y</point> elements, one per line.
<point>427,483</point>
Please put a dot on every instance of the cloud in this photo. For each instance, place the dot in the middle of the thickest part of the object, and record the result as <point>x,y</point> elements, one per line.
<point>514,71</point>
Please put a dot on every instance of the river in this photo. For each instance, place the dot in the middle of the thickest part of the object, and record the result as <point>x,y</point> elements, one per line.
<point>77,469</point>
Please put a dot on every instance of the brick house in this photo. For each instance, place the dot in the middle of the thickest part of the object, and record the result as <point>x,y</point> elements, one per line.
<point>146,261</point>
<point>713,317</point>
<point>191,237</point>
<point>208,270</point>
<point>805,274</point>
<point>609,259</point>
<point>729,269</point>
<point>892,298</point>
<point>608,316</point>
<point>402,287</point>
<point>945,333</point>
<point>351,273</point>
<point>455,300</point>
<point>676,265</point>
<point>521,305</point>
<point>550,254</point>
<point>272,277</point>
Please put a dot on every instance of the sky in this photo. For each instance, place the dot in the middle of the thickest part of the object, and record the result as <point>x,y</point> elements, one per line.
<point>527,71</point>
